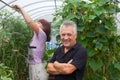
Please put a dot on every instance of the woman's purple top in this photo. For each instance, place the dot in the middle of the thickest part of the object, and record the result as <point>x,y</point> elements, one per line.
<point>37,47</point>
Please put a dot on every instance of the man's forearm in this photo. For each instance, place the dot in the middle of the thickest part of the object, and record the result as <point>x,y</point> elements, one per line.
<point>64,68</point>
<point>52,70</point>
<point>61,67</point>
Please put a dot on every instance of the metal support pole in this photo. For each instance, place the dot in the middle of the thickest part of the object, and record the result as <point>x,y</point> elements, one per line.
<point>55,4</point>
<point>5,3</point>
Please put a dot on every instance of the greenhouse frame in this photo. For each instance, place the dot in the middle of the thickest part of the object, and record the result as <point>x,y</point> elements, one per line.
<point>98,30</point>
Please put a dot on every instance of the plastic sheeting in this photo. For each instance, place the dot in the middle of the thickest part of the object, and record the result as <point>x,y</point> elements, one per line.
<point>35,8</point>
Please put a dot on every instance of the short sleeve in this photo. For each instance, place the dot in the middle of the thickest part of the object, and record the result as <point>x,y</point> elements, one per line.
<point>80,59</point>
<point>42,36</point>
<point>53,58</point>
<point>56,53</point>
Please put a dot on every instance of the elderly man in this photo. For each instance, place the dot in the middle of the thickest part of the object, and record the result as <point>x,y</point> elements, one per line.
<point>69,60</point>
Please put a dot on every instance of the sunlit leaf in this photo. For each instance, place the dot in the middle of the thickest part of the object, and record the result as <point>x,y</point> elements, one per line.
<point>92,17</point>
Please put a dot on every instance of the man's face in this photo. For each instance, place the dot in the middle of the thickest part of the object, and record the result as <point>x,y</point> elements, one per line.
<point>68,36</point>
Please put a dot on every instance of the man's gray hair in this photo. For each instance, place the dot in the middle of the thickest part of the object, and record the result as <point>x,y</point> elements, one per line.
<point>69,23</point>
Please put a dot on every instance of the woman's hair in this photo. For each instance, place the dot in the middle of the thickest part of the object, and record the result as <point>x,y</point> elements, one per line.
<point>46,28</point>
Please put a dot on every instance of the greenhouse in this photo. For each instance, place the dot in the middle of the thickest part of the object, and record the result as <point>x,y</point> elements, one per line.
<point>98,31</point>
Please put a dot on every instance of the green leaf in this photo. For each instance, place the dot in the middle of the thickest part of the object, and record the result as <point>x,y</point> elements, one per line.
<point>82,36</point>
<point>5,78</point>
<point>117,66</point>
<point>99,45</point>
<point>109,25</point>
<point>102,2</point>
<point>91,52</point>
<point>92,17</point>
<point>100,29</point>
<point>81,28</point>
<point>105,48</point>
<point>99,11</point>
<point>102,39</point>
<point>71,16</point>
<point>95,64</point>
<point>112,10</point>
<point>91,34</point>
<point>84,42</point>
<point>71,1</point>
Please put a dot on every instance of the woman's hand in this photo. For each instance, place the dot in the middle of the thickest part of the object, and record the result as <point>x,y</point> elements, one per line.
<point>16,7</point>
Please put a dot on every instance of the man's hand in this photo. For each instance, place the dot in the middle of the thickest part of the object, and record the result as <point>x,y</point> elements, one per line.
<point>56,63</point>
<point>51,69</point>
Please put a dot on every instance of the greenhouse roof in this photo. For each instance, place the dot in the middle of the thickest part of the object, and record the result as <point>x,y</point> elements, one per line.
<point>38,8</point>
<point>35,8</point>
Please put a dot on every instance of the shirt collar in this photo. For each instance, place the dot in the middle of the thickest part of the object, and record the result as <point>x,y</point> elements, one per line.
<point>74,47</point>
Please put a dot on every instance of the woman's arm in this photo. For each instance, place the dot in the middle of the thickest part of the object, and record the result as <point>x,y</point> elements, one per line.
<point>27,18</point>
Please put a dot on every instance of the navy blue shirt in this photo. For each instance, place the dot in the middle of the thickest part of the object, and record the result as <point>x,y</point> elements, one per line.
<point>79,56</point>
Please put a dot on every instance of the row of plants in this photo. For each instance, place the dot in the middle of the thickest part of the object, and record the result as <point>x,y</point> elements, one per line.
<point>97,31</point>
<point>14,38</point>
